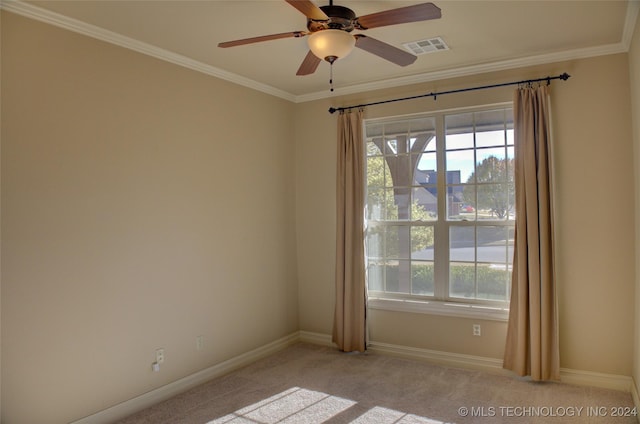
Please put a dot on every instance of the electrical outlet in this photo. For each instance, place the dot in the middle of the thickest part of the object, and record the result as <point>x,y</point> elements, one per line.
<point>200,342</point>
<point>159,356</point>
<point>477,330</point>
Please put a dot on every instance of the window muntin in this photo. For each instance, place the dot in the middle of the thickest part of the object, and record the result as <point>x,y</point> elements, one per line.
<point>440,206</point>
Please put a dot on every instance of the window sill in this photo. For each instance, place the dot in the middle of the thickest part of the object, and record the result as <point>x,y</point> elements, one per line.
<point>435,307</point>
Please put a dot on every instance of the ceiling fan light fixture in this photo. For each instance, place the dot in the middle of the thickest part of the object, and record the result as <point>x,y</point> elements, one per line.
<point>331,44</point>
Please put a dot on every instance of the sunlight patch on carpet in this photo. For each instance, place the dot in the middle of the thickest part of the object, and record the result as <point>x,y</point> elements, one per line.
<point>380,415</point>
<point>298,405</point>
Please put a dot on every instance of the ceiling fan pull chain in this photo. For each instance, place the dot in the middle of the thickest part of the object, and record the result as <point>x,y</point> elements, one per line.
<point>331,76</point>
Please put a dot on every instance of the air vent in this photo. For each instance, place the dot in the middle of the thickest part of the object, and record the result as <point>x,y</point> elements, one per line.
<point>429,45</point>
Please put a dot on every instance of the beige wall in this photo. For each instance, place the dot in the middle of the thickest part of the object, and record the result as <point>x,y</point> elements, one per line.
<point>634,73</point>
<point>594,215</point>
<point>0,222</point>
<point>143,205</point>
<point>594,170</point>
<point>140,210</point>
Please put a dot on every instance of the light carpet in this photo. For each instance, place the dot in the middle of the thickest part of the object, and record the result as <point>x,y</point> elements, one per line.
<point>309,384</point>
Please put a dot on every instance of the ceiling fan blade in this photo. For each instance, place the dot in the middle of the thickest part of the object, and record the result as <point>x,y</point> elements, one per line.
<point>384,50</point>
<point>309,64</point>
<point>309,9</point>
<point>262,38</point>
<point>416,13</point>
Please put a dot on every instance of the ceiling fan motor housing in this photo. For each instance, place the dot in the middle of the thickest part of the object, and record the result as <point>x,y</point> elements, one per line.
<point>340,17</point>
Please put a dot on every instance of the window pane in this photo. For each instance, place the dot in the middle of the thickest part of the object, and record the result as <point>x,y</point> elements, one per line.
<point>387,176</point>
<point>375,242</point>
<point>422,238</point>
<point>425,204</point>
<point>375,204</point>
<point>426,168</point>
<point>460,166</point>
<point>398,277</point>
<point>493,282</point>
<point>425,142</point>
<point>390,146</point>
<point>402,201</point>
<point>402,144</point>
<point>489,120</point>
<point>422,282</point>
<point>397,241</point>
<point>461,202</point>
<point>401,169</point>
<point>462,280</point>
<point>378,173</point>
<point>405,126</point>
<point>422,125</point>
<point>375,276</point>
<point>381,204</point>
<point>508,117</point>
<point>462,242</point>
<point>490,138</point>
<point>390,207</point>
<point>372,148</point>
<point>459,141</point>
<point>491,166</point>
<point>494,201</point>
<point>459,131</point>
<point>375,171</point>
<point>492,245</point>
<point>389,276</point>
<point>374,129</point>
<point>392,282</point>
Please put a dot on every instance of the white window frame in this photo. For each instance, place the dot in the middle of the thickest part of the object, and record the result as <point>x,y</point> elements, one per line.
<point>441,303</point>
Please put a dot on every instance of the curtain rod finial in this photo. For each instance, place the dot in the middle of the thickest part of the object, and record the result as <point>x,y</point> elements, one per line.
<point>564,76</point>
<point>332,110</point>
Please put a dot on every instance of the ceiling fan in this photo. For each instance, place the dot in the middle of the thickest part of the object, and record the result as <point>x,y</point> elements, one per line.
<point>329,30</point>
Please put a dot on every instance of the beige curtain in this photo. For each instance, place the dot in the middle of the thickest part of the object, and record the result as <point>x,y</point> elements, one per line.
<point>532,334</point>
<point>349,321</point>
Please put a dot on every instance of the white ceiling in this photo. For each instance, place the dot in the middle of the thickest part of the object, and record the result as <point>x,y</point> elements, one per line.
<point>482,36</point>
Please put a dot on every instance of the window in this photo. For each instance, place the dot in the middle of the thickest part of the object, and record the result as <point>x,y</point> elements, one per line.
<point>440,207</point>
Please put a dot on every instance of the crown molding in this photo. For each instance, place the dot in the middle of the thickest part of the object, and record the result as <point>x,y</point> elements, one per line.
<point>71,24</point>
<point>28,10</point>
<point>470,70</point>
<point>633,8</point>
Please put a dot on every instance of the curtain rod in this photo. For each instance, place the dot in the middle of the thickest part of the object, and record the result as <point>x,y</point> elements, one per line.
<point>563,76</point>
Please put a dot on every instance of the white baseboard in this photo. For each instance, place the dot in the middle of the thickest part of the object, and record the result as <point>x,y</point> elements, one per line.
<point>493,365</point>
<point>129,407</point>
<point>635,396</point>
<point>316,338</point>
<point>439,357</point>
<point>596,379</point>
